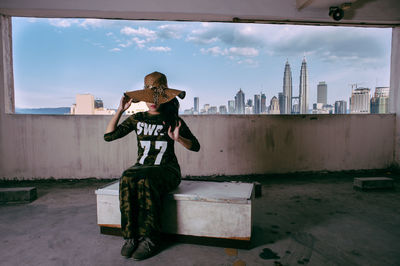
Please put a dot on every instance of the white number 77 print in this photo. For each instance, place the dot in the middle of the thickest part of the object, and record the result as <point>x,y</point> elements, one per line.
<point>146,145</point>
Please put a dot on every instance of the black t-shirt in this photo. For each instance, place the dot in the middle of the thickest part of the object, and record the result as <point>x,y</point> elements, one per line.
<point>155,147</point>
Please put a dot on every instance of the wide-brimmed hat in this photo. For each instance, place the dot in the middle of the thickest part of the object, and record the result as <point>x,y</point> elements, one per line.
<point>155,90</point>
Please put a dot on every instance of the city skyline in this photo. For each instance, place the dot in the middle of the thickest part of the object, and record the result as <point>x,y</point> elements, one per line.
<point>208,60</point>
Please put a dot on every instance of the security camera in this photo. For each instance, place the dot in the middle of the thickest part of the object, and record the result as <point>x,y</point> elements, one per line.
<point>336,13</point>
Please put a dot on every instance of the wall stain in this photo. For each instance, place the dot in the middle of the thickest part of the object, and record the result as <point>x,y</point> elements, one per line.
<point>269,136</point>
<point>289,137</point>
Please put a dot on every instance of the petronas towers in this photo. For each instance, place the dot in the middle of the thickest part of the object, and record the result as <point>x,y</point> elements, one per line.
<point>301,103</point>
<point>287,90</point>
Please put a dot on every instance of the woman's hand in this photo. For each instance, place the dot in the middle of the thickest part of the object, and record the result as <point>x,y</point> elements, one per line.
<point>124,103</point>
<point>174,134</point>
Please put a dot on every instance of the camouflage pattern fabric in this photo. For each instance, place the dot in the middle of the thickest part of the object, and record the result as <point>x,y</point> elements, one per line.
<point>156,172</point>
<point>140,195</point>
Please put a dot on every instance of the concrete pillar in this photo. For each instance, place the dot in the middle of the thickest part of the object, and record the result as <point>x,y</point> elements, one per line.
<point>7,102</point>
<point>6,81</point>
<point>394,99</point>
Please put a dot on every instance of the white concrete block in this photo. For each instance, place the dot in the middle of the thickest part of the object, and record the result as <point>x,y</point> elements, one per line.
<point>195,208</point>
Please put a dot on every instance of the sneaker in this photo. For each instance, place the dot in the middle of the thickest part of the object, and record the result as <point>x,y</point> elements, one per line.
<point>129,247</point>
<point>146,248</point>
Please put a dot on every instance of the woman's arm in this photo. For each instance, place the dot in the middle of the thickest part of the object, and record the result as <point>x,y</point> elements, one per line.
<point>115,131</point>
<point>183,135</point>
<point>123,106</point>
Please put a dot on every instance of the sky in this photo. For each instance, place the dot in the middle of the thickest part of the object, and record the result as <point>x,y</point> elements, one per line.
<point>55,59</point>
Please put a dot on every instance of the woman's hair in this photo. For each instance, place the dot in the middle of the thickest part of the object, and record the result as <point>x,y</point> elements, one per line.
<point>169,111</point>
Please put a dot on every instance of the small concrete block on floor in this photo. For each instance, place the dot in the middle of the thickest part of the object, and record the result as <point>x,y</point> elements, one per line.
<point>18,195</point>
<point>367,183</point>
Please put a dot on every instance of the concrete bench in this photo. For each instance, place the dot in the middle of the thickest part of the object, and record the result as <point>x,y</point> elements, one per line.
<point>195,208</point>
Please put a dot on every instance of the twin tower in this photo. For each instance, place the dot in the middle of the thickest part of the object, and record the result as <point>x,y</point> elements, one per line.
<point>288,103</point>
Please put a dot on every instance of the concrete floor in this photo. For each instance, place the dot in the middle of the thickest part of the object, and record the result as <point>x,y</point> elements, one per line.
<point>307,220</point>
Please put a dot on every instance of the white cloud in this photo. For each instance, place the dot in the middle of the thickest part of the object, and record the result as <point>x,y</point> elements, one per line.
<point>243,51</point>
<point>126,44</point>
<point>109,34</point>
<point>94,23</point>
<point>215,51</point>
<point>33,20</point>
<point>62,23</point>
<point>115,50</point>
<point>231,52</point>
<point>141,31</point>
<point>170,31</point>
<point>159,49</point>
<point>249,62</point>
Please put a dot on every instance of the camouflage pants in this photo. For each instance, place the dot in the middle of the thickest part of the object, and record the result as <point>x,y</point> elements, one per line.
<point>141,190</point>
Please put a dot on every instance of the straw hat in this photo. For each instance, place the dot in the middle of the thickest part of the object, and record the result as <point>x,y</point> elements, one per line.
<point>155,90</point>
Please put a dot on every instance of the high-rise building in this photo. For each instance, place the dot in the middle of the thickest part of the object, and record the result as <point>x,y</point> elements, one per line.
<point>303,88</point>
<point>360,101</point>
<point>87,105</point>
<point>319,108</point>
<point>249,103</point>
<point>231,106</point>
<point>84,104</point>
<point>263,103</point>
<point>206,107</point>
<point>274,106</point>
<point>257,104</point>
<point>98,103</point>
<point>188,111</point>
<point>380,101</point>
<point>287,90</point>
<point>222,109</point>
<point>196,105</point>
<point>381,92</point>
<point>248,110</point>
<point>340,107</point>
<point>322,93</point>
<point>239,102</point>
<point>282,102</point>
<point>296,108</point>
<point>212,110</point>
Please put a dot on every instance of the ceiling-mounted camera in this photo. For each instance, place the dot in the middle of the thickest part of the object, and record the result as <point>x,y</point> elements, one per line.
<point>336,13</point>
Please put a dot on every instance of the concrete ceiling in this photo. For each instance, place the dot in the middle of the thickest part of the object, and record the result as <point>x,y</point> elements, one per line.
<point>362,12</point>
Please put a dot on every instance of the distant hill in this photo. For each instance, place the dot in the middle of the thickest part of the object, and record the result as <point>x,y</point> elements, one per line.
<point>43,111</point>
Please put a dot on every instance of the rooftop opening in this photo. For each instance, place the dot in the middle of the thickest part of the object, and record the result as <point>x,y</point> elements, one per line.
<point>226,68</point>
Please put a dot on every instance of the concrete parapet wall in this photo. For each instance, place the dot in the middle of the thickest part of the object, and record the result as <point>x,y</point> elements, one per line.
<point>45,146</point>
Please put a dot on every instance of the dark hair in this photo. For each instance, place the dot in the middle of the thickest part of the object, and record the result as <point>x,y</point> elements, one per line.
<point>169,111</point>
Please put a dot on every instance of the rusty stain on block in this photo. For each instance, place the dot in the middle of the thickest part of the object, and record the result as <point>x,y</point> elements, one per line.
<point>231,251</point>
<point>239,263</point>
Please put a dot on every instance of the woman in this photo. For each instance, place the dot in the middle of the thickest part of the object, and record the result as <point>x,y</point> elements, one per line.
<point>156,171</point>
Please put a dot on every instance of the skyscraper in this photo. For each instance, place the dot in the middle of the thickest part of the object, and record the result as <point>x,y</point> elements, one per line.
<point>263,103</point>
<point>380,101</point>
<point>282,105</point>
<point>274,106</point>
<point>340,107</point>
<point>231,106</point>
<point>360,101</point>
<point>322,93</point>
<point>287,89</point>
<point>222,109</point>
<point>257,104</point>
<point>303,88</point>
<point>239,102</point>
<point>196,105</point>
